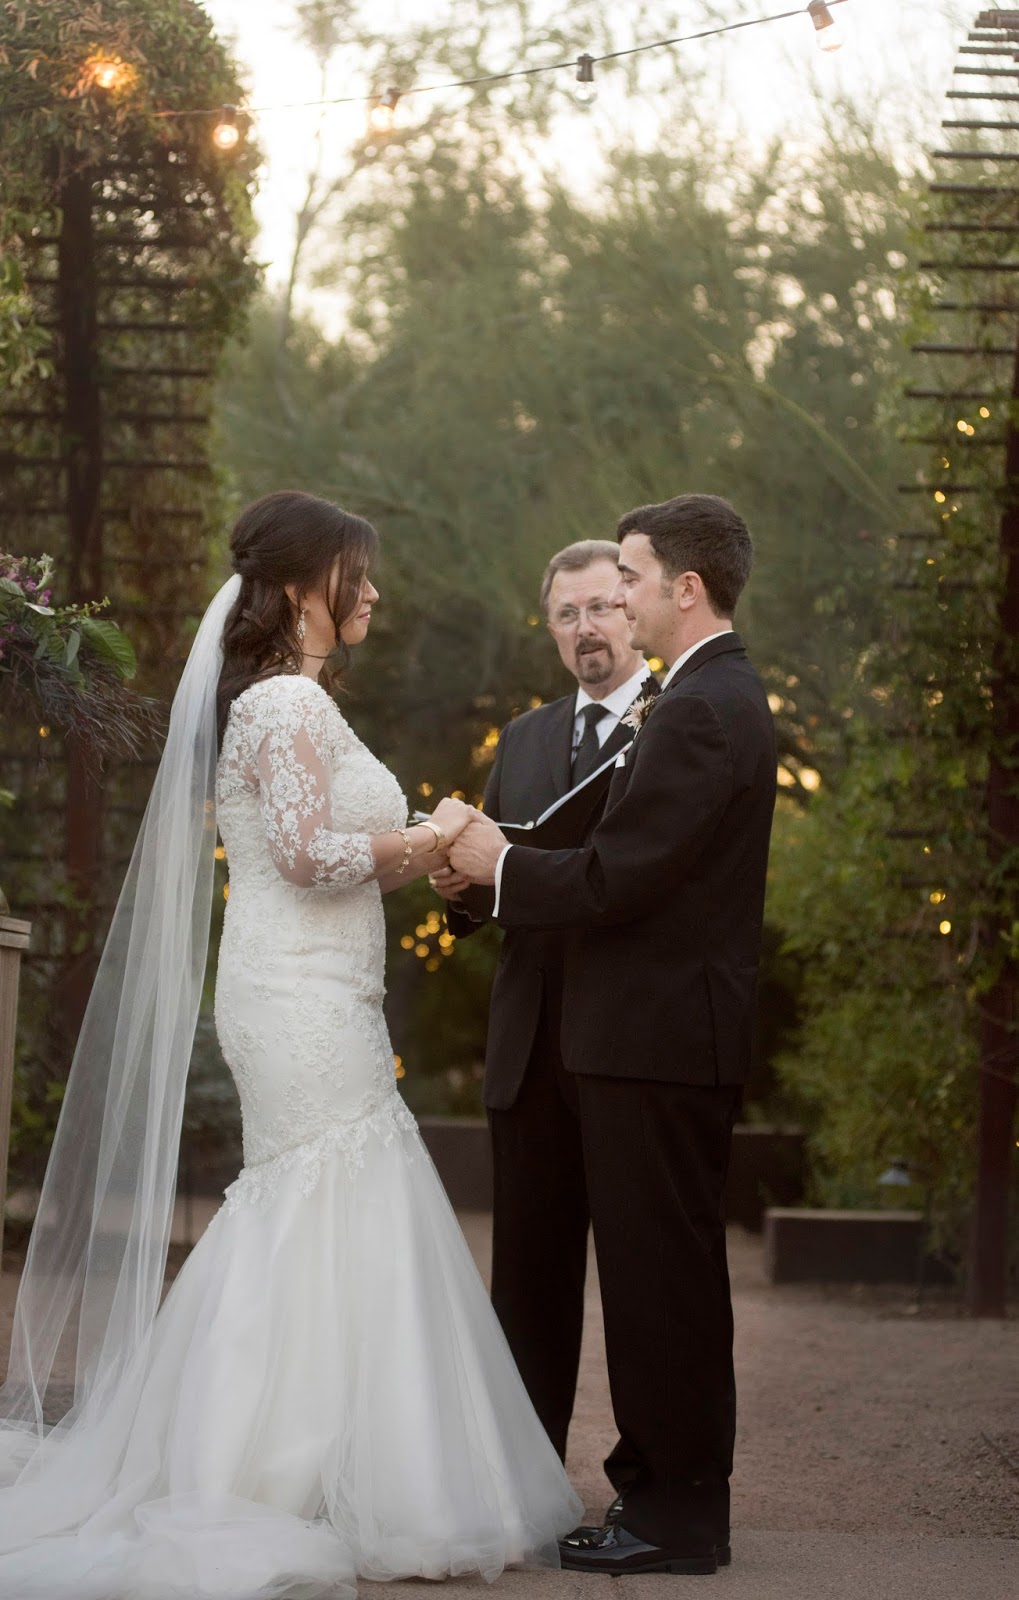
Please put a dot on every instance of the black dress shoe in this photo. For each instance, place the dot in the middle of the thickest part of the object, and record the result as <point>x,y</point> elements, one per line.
<point>613,1549</point>
<point>723,1549</point>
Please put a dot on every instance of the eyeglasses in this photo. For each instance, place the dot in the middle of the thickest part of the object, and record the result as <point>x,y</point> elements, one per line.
<point>597,611</point>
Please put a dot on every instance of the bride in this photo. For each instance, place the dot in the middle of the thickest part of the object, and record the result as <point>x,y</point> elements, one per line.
<point>325,1392</point>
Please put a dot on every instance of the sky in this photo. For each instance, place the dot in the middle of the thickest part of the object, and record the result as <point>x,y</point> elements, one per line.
<point>897,60</point>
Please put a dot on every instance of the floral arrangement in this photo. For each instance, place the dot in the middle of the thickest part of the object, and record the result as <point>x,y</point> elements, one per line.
<point>67,665</point>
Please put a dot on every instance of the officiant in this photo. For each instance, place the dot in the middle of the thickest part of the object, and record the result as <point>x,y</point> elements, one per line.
<point>541,1217</point>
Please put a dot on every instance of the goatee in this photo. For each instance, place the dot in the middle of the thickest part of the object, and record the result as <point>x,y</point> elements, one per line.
<point>595,666</point>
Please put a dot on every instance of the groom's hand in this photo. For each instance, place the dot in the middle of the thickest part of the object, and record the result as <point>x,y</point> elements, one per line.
<point>475,852</point>
<point>446,881</point>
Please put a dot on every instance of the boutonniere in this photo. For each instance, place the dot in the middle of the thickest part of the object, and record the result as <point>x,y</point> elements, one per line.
<point>641,709</point>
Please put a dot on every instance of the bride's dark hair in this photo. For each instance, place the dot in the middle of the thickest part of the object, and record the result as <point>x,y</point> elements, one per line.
<point>288,538</point>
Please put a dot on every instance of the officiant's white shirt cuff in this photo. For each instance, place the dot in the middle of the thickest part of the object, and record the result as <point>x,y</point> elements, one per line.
<point>498,879</point>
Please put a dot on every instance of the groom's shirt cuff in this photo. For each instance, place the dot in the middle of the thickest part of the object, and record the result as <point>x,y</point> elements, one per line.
<point>498,879</point>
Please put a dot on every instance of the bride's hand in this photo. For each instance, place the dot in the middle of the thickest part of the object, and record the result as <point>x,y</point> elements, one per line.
<point>452,816</point>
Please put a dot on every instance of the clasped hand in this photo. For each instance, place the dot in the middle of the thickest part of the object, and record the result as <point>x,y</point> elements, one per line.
<point>473,846</point>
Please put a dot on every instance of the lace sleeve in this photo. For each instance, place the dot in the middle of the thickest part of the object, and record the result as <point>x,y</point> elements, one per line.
<point>290,748</point>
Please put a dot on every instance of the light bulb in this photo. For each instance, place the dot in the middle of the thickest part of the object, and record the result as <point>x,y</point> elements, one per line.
<point>109,73</point>
<point>382,116</point>
<point>226,134</point>
<point>586,92</point>
<point>829,32</point>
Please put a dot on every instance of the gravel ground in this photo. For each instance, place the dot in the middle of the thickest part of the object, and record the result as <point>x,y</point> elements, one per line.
<point>877,1452</point>
<point>855,1413</point>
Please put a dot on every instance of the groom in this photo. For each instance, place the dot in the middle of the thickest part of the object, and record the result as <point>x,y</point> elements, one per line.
<point>663,911</point>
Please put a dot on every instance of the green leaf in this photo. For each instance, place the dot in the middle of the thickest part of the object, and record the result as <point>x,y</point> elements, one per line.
<point>106,640</point>
<point>73,646</point>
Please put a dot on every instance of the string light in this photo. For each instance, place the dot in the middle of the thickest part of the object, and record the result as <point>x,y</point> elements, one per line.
<point>226,134</point>
<point>586,92</point>
<point>829,32</point>
<point>382,116</point>
<point>108,73</point>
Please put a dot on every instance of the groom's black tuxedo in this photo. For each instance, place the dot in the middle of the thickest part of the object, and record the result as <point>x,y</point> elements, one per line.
<point>662,911</point>
<point>541,1217</point>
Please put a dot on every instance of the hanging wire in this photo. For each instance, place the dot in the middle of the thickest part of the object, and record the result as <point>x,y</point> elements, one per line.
<point>513,72</point>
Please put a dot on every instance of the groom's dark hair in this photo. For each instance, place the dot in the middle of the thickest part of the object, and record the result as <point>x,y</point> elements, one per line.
<point>699,533</point>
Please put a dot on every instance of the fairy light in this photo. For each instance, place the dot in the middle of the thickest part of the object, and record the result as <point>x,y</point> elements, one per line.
<point>945,927</point>
<point>226,134</point>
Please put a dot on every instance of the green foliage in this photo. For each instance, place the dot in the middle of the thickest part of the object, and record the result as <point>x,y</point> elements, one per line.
<point>66,665</point>
<point>524,363</point>
<point>22,342</point>
<point>898,889</point>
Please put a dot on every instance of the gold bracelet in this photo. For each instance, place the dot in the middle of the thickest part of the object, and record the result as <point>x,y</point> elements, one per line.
<point>408,850</point>
<point>440,837</point>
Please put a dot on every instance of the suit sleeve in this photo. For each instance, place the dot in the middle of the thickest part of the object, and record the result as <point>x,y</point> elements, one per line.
<point>680,784</point>
<point>474,907</point>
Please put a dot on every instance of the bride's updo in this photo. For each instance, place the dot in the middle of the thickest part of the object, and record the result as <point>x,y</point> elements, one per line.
<point>289,538</point>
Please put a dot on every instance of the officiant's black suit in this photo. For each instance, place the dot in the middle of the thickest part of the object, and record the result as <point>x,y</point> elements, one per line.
<point>541,1217</point>
<point>662,913</point>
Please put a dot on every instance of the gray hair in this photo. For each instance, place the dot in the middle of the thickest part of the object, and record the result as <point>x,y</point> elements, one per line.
<point>575,558</point>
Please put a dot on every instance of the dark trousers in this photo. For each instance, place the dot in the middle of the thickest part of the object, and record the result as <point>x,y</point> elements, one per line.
<point>539,1232</point>
<point>656,1158</point>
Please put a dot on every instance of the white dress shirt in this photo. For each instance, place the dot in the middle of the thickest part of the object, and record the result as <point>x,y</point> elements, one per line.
<point>608,723</point>
<point>615,705</point>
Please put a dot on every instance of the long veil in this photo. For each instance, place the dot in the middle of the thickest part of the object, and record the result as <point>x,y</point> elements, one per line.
<point>94,1272</point>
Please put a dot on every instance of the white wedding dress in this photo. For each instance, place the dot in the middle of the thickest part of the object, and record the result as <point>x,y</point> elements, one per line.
<point>327,1392</point>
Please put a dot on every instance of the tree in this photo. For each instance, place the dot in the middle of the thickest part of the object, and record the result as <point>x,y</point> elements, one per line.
<point>523,363</point>
<point>124,261</point>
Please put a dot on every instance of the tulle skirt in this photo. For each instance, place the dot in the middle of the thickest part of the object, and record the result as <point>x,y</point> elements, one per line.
<point>327,1394</point>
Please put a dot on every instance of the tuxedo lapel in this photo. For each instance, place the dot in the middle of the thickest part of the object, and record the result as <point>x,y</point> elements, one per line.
<point>558,743</point>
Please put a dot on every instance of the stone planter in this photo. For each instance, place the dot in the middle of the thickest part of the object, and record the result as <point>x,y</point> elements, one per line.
<point>807,1246</point>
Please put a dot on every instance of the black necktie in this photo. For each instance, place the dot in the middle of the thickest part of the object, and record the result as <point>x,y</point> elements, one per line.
<point>587,756</point>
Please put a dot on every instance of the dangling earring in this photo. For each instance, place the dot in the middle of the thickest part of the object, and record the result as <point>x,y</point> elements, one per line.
<point>302,626</point>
